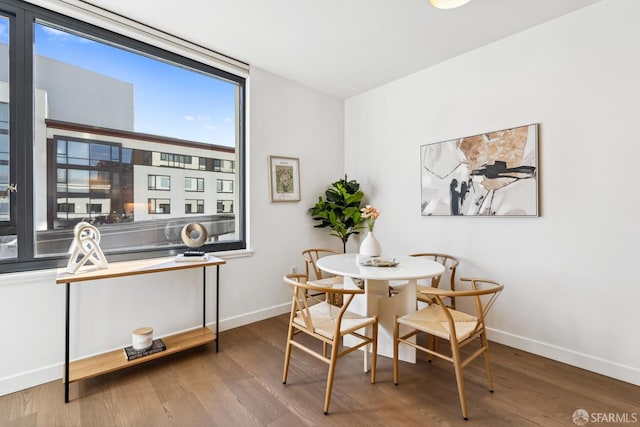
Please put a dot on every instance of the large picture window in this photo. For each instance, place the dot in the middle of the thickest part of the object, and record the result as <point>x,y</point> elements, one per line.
<point>114,123</point>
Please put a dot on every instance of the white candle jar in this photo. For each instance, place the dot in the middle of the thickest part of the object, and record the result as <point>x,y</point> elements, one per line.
<point>142,338</point>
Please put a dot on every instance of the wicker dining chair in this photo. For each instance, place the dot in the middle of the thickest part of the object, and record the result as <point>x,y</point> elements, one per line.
<point>451,263</point>
<point>328,324</point>
<point>458,327</point>
<point>317,276</point>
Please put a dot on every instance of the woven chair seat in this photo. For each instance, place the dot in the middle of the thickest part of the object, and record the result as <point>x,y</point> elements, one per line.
<point>433,321</point>
<point>324,319</point>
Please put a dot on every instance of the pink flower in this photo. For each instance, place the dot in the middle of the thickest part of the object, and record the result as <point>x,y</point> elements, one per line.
<point>371,215</point>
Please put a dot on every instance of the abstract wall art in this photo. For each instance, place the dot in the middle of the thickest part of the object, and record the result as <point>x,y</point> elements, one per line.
<point>491,174</point>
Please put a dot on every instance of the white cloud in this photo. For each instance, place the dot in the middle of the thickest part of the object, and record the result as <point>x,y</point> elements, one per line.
<point>55,34</point>
<point>189,118</point>
<point>53,31</point>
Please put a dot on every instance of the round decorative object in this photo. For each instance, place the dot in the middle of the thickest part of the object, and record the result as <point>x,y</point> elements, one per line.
<point>142,338</point>
<point>194,235</point>
<point>370,246</point>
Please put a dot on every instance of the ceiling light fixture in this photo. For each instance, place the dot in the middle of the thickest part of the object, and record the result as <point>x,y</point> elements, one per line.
<point>448,4</point>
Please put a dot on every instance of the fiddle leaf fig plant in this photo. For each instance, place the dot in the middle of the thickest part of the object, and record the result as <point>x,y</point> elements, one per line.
<point>340,209</point>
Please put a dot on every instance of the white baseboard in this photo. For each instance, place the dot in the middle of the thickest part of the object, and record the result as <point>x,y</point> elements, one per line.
<point>40,376</point>
<point>608,368</point>
<point>254,316</point>
<point>29,379</point>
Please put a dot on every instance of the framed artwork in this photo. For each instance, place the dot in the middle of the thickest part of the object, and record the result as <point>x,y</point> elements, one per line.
<point>284,178</point>
<point>491,174</point>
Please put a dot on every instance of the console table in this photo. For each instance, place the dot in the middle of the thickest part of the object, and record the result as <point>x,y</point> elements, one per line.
<point>114,360</point>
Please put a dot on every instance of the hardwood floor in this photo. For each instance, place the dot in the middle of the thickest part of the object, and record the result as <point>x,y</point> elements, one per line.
<point>242,386</point>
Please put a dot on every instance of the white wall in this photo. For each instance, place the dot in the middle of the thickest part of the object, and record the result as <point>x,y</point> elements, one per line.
<point>571,292</point>
<point>286,119</point>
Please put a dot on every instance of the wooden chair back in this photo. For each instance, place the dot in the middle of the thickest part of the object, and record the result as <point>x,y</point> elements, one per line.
<point>450,263</point>
<point>311,256</point>
<point>483,293</point>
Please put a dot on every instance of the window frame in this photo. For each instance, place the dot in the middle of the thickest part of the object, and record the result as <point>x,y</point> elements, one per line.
<point>199,204</point>
<point>22,17</point>
<point>198,181</point>
<point>220,186</point>
<point>155,202</point>
<point>156,178</point>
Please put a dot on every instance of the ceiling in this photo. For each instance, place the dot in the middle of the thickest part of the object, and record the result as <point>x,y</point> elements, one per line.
<point>341,47</point>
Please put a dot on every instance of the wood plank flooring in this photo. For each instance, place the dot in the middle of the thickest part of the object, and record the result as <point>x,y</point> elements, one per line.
<point>242,386</point>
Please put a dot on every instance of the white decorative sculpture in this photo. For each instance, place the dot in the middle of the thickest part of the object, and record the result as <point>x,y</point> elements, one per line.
<point>194,235</point>
<point>85,248</point>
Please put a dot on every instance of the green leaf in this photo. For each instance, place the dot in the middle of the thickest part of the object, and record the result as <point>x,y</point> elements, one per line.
<point>340,209</point>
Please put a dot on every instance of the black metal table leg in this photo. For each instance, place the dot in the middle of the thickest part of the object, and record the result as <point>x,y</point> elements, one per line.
<point>204,297</point>
<point>66,346</point>
<point>217,305</point>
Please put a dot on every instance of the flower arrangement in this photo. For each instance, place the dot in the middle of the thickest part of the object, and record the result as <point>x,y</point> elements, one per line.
<point>371,215</point>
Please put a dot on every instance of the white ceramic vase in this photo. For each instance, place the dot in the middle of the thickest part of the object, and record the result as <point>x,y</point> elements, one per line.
<point>370,246</point>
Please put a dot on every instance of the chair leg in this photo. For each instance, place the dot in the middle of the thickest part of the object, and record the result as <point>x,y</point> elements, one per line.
<point>396,328</point>
<point>374,355</point>
<point>365,358</point>
<point>487,360</point>
<point>287,355</point>
<point>332,371</point>
<point>457,364</point>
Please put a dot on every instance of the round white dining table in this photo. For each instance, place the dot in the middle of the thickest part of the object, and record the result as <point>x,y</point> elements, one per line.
<point>377,299</point>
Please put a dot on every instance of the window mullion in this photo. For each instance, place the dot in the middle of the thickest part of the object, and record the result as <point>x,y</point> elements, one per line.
<point>21,121</point>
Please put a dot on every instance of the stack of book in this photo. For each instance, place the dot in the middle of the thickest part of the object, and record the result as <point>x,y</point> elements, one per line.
<point>156,346</point>
<point>193,256</point>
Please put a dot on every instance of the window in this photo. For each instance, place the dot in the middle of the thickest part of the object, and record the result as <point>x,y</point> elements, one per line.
<point>94,208</point>
<point>159,182</point>
<point>194,184</point>
<point>66,207</point>
<point>224,186</point>
<point>104,139</point>
<point>177,161</point>
<point>225,206</point>
<point>159,206</point>
<point>193,206</point>
<point>220,165</point>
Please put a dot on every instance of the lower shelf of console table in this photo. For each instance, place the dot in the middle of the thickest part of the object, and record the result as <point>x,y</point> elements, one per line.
<point>115,360</point>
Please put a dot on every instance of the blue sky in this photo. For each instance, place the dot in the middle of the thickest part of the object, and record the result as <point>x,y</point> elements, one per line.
<point>169,100</point>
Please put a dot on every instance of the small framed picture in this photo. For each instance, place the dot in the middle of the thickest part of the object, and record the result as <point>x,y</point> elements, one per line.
<point>284,178</point>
